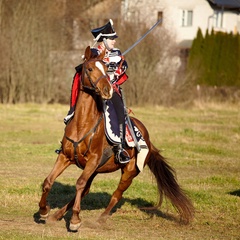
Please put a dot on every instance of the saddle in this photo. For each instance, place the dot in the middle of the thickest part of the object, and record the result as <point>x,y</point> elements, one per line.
<point>113,135</point>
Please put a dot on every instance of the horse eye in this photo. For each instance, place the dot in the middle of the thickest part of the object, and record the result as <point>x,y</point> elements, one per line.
<point>90,69</point>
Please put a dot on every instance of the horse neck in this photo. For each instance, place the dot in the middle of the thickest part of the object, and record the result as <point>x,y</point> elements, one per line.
<point>88,108</point>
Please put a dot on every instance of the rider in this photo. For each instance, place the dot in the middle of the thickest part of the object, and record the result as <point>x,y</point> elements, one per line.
<point>106,36</point>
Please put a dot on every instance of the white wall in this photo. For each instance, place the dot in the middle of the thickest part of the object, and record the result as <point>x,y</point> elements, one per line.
<point>143,10</point>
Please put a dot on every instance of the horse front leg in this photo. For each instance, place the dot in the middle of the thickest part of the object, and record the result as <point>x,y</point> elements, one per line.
<point>81,190</point>
<point>128,173</point>
<point>60,213</point>
<point>60,165</point>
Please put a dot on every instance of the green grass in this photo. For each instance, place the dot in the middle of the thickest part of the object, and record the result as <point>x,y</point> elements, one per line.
<point>201,143</point>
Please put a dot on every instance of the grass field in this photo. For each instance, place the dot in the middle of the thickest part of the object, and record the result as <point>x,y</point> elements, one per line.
<point>202,143</point>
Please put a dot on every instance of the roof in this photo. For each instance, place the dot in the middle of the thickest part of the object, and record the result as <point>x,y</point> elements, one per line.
<point>233,5</point>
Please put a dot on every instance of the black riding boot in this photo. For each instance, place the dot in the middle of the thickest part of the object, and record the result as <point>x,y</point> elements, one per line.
<point>59,149</point>
<point>70,115</point>
<point>122,155</point>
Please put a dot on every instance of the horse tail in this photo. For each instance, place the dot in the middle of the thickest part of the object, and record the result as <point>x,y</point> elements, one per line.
<point>168,186</point>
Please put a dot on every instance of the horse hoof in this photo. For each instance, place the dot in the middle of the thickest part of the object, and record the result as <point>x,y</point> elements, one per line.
<point>74,227</point>
<point>44,213</point>
<point>44,216</point>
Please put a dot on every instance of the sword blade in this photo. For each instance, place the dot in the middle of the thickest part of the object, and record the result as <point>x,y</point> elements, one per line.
<point>141,38</point>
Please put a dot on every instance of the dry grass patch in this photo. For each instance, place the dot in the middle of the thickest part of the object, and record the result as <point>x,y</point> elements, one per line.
<point>201,143</point>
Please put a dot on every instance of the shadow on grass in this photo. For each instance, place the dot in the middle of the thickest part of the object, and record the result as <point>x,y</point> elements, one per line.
<point>61,194</point>
<point>235,193</point>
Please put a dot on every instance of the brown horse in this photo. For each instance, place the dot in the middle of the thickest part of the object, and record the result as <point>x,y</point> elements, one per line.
<point>85,144</point>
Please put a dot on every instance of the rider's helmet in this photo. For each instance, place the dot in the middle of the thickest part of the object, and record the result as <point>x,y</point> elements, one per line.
<point>104,32</point>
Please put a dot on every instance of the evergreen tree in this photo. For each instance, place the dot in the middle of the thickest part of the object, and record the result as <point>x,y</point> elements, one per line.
<point>209,59</point>
<point>214,59</point>
<point>195,59</point>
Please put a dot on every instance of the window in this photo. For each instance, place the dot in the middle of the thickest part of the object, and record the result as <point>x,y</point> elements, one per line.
<point>187,18</point>
<point>160,16</point>
<point>218,19</point>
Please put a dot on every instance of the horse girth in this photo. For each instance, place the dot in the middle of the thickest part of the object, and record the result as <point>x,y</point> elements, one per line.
<point>75,144</point>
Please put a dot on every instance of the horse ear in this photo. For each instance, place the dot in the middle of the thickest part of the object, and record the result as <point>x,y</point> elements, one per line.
<point>88,53</point>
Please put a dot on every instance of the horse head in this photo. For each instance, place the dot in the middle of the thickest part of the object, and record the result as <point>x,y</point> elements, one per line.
<point>94,75</point>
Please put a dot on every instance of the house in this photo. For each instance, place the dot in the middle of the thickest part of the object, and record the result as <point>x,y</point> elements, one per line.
<point>182,18</point>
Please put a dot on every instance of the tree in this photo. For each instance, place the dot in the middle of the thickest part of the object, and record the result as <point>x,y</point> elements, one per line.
<point>214,59</point>
<point>37,37</point>
<point>150,64</point>
<point>29,31</point>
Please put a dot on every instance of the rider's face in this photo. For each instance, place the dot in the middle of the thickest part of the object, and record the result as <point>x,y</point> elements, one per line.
<point>111,42</point>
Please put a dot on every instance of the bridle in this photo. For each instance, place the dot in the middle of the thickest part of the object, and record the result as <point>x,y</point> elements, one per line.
<point>86,71</point>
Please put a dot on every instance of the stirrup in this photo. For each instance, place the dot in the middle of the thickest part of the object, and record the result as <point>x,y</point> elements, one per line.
<point>125,158</point>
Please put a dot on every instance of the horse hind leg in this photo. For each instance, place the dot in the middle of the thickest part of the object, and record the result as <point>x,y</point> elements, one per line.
<point>60,165</point>
<point>125,181</point>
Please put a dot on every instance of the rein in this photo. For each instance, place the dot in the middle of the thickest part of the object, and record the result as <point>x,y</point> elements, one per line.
<point>75,144</point>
